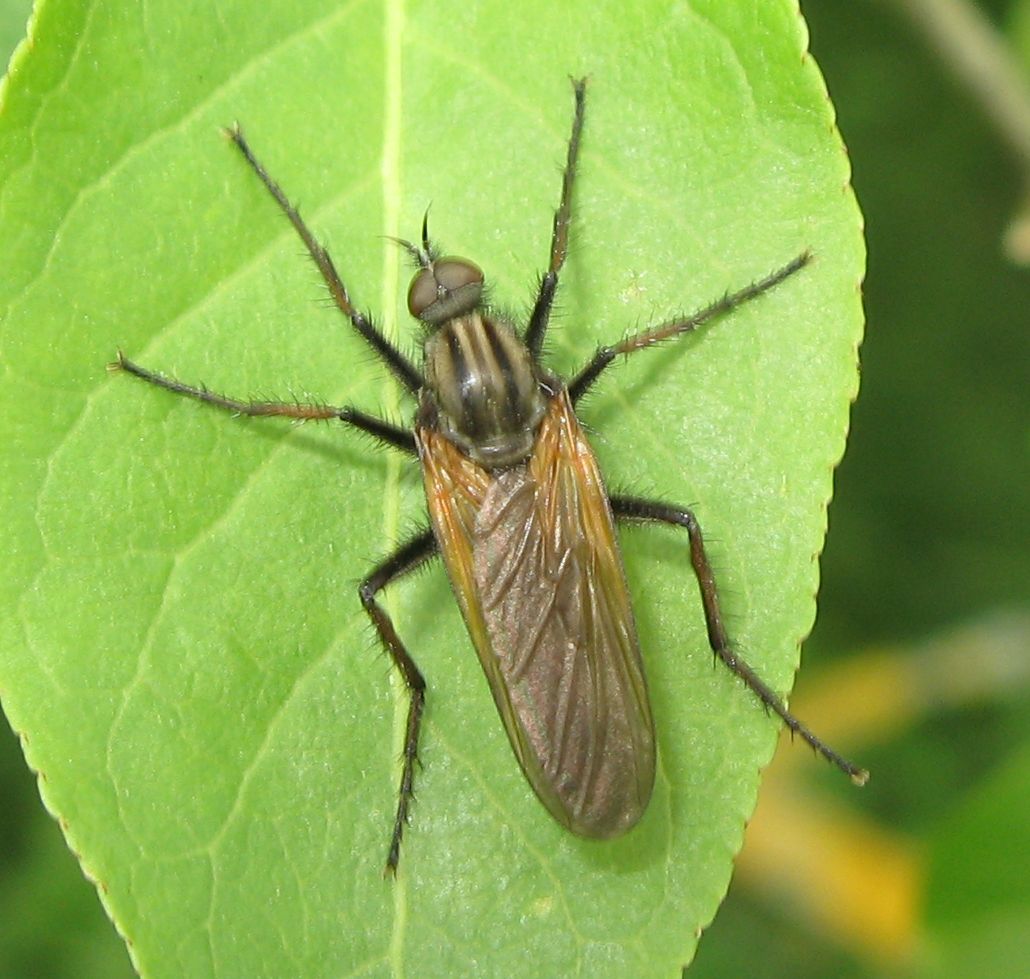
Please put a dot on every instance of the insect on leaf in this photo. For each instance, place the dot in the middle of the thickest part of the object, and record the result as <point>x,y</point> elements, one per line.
<point>182,651</point>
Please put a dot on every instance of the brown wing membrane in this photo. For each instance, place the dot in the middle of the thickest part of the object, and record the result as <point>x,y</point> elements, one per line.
<point>532,555</point>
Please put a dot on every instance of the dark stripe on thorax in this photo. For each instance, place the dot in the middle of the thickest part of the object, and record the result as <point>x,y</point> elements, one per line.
<point>459,353</point>
<point>499,341</point>
<point>484,346</point>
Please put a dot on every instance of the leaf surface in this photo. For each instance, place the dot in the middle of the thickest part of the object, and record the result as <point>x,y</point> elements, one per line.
<point>183,652</point>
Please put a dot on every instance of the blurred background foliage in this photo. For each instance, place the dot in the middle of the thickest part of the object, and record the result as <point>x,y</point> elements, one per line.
<point>919,665</point>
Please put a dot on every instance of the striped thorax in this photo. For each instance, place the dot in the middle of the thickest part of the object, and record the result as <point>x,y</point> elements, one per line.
<point>482,389</point>
<point>486,393</point>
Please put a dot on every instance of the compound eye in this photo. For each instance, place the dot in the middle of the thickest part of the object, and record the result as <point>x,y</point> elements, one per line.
<point>449,287</point>
<point>456,273</point>
<point>421,293</point>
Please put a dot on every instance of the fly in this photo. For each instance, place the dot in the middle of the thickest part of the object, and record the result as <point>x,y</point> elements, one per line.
<point>526,529</point>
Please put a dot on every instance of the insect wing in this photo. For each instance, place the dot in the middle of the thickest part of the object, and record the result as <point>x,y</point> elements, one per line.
<point>533,558</point>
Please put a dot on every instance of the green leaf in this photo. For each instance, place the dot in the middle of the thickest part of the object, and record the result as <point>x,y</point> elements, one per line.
<point>183,652</point>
